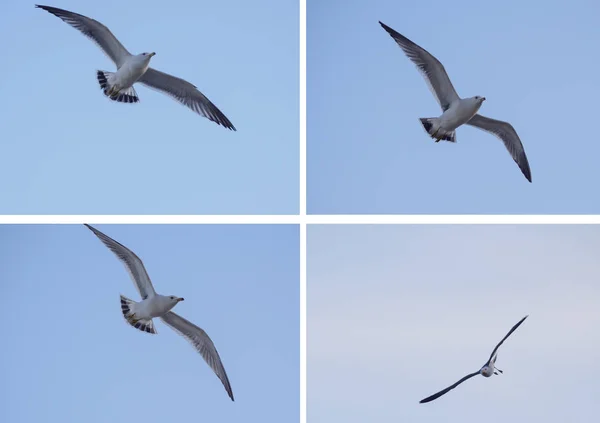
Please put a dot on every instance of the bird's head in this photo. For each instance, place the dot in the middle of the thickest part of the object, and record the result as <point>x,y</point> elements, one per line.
<point>146,56</point>
<point>174,300</point>
<point>479,99</point>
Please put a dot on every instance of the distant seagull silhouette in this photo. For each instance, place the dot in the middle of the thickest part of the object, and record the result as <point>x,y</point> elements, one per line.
<point>487,370</point>
<point>118,86</point>
<point>140,315</point>
<point>457,111</point>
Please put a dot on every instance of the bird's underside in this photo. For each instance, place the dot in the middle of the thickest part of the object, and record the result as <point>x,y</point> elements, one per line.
<point>441,87</point>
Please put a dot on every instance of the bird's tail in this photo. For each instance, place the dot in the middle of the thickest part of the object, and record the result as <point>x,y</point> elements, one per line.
<point>127,95</point>
<point>432,127</point>
<point>128,309</point>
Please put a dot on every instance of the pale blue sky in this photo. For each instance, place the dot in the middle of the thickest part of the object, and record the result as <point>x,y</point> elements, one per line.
<point>67,149</point>
<point>535,63</point>
<point>68,355</point>
<point>397,313</point>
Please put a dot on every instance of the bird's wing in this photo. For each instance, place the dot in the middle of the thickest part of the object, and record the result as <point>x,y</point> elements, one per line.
<point>449,388</point>
<point>435,75</point>
<point>509,137</point>
<point>94,30</point>
<point>185,93</point>
<point>507,335</point>
<point>132,263</point>
<point>203,344</point>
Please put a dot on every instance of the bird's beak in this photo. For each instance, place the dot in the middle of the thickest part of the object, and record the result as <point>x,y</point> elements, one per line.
<point>179,299</point>
<point>152,54</point>
<point>483,99</point>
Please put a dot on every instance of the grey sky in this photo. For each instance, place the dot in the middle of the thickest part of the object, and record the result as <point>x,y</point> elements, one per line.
<point>396,313</point>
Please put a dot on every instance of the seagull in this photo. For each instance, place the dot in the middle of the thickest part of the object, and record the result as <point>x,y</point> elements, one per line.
<point>140,315</point>
<point>487,370</point>
<point>118,86</point>
<point>457,111</point>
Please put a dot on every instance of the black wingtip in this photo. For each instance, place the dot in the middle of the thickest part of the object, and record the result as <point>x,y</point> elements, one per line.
<point>387,28</point>
<point>90,227</point>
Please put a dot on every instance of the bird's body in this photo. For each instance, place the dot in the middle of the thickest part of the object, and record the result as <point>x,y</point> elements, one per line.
<point>153,305</point>
<point>132,69</point>
<point>457,111</point>
<point>130,72</point>
<point>487,370</point>
<point>460,112</point>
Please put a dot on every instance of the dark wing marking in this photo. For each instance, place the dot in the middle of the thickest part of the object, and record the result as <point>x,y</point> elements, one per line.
<point>132,263</point>
<point>94,30</point>
<point>449,388</point>
<point>203,344</point>
<point>435,75</point>
<point>185,93</point>
<point>507,335</point>
<point>509,137</point>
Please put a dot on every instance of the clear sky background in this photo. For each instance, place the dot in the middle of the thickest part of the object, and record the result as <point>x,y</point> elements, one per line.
<point>67,149</point>
<point>396,314</point>
<point>68,355</point>
<point>534,61</point>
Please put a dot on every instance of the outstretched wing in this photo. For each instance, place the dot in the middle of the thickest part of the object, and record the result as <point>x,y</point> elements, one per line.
<point>94,30</point>
<point>449,388</point>
<point>507,335</point>
<point>203,344</point>
<point>132,263</point>
<point>509,137</point>
<point>185,93</point>
<point>435,75</point>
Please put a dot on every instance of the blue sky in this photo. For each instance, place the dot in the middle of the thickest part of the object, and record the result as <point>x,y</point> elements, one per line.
<point>66,149</point>
<point>396,313</point>
<point>533,61</point>
<point>69,356</point>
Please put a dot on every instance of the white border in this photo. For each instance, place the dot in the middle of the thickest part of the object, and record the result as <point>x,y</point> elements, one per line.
<point>302,108</point>
<point>303,220</point>
<point>302,216</point>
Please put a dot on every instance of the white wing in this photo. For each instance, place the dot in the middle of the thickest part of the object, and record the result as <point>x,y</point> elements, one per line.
<point>202,343</point>
<point>185,93</point>
<point>94,30</point>
<point>435,75</point>
<point>132,263</point>
<point>509,137</point>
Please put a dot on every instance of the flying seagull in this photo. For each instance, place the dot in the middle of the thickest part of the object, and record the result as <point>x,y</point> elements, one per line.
<point>487,370</point>
<point>140,315</point>
<point>457,111</point>
<point>118,86</point>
